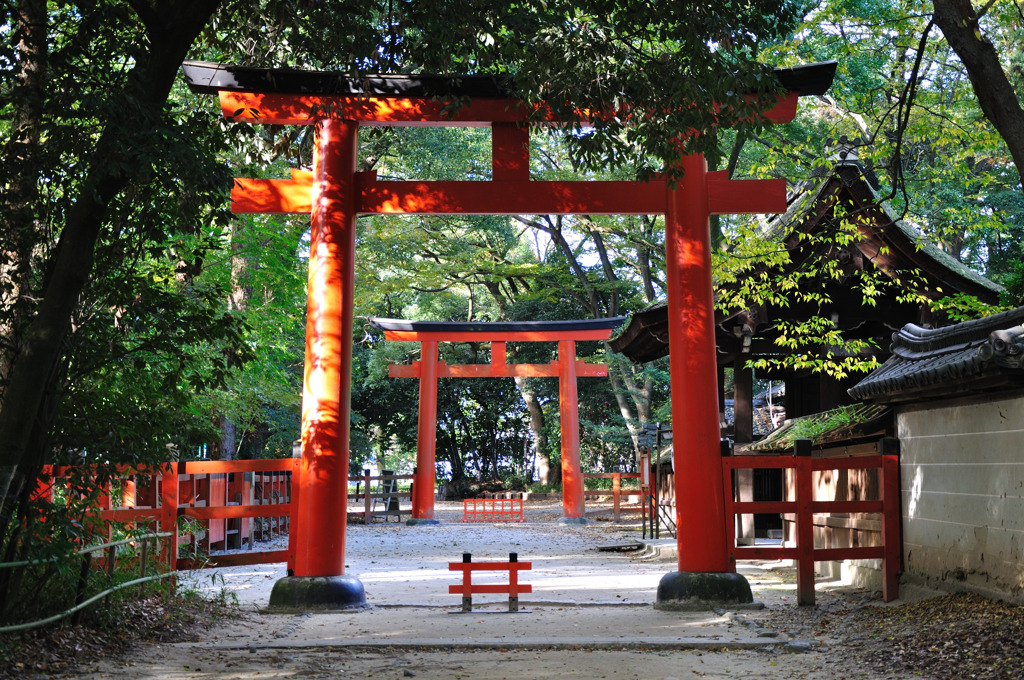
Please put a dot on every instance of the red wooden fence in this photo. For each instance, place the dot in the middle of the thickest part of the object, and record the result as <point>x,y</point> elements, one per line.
<point>616,491</point>
<point>223,494</point>
<point>805,506</point>
<point>492,510</point>
<point>226,496</point>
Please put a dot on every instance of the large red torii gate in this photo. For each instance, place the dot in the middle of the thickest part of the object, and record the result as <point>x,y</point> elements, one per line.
<point>566,368</point>
<point>335,194</point>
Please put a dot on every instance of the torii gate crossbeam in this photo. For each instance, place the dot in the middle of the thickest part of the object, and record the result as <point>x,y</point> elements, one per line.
<point>335,194</point>
<point>566,368</point>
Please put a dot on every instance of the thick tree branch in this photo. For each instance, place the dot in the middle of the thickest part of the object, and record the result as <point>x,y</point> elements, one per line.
<point>959,23</point>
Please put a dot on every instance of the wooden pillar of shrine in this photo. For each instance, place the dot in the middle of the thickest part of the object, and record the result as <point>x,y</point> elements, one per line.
<point>318,576</point>
<point>426,437</point>
<point>568,405</point>
<point>705,572</point>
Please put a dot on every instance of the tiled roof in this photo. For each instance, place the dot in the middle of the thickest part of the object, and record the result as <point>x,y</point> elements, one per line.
<point>210,77</point>
<point>968,357</point>
<point>828,427</point>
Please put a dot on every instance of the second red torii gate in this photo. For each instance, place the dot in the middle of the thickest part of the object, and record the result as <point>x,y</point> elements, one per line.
<point>566,368</point>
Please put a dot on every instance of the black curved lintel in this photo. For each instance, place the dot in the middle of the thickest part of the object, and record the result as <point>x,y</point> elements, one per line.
<point>494,326</point>
<point>205,77</point>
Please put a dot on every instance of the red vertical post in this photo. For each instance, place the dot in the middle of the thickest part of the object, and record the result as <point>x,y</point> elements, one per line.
<point>293,514</point>
<point>323,472</point>
<point>572,477</point>
<point>891,524</point>
<point>169,511</point>
<point>616,491</point>
<point>426,434</point>
<point>700,503</point>
<point>128,492</point>
<point>804,523</point>
<point>510,152</point>
<point>467,584</point>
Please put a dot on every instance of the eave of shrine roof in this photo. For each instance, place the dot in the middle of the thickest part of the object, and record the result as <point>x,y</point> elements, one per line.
<point>852,175</point>
<point>645,337</point>
<point>210,78</point>
<point>935,362</point>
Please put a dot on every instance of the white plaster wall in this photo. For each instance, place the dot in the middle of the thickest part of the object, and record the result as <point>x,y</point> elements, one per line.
<point>962,480</point>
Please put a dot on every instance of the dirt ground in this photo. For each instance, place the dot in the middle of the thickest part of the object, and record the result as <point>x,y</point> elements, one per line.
<point>589,616</point>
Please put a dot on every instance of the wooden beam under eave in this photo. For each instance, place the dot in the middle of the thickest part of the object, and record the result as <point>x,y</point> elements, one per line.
<point>278,108</point>
<point>288,109</point>
<point>512,198</point>
<point>745,196</point>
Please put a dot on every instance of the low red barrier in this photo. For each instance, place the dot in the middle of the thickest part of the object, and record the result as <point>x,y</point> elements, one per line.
<point>513,587</point>
<point>804,507</point>
<point>492,510</point>
<point>166,492</point>
<point>616,491</point>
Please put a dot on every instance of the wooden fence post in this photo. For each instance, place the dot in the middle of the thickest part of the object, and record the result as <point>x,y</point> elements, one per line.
<point>616,490</point>
<point>513,583</point>
<point>368,501</point>
<point>467,582</point>
<point>728,493</point>
<point>891,520</point>
<point>169,511</point>
<point>804,523</point>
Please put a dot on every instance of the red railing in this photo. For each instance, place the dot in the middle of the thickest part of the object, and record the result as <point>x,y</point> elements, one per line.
<point>805,506</point>
<point>616,491</point>
<point>217,493</point>
<point>194,489</point>
<point>467,566</point>
<point>492,510</point>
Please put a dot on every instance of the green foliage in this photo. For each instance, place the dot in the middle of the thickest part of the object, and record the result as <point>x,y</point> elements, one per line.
<point>810,428</point>
<point>961,307</point>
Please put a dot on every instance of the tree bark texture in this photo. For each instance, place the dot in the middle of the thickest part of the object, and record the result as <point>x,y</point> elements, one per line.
<point>958,21</point>
<point>547,473</point>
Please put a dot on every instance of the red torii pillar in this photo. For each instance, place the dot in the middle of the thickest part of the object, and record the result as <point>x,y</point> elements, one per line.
<point>334,194</point>
<point>566,368</point>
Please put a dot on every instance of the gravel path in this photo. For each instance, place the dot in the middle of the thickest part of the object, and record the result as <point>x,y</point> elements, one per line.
<point>403,565</point>
<point>589,616</point>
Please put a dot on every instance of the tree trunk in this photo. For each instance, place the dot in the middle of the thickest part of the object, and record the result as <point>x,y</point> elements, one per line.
<point>20,155</point>
<point>546,473</point>
<point>958,21</point>
<point>171,29</point>
<point>241,294</point>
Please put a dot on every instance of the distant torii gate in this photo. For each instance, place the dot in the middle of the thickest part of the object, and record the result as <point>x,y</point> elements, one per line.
<point>566,368</point>
<point>335,194</point>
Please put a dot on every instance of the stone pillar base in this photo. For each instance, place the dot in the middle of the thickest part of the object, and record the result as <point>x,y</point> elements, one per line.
<point>685,590</point>
<point>308,593</point>
<point>574,521</point>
